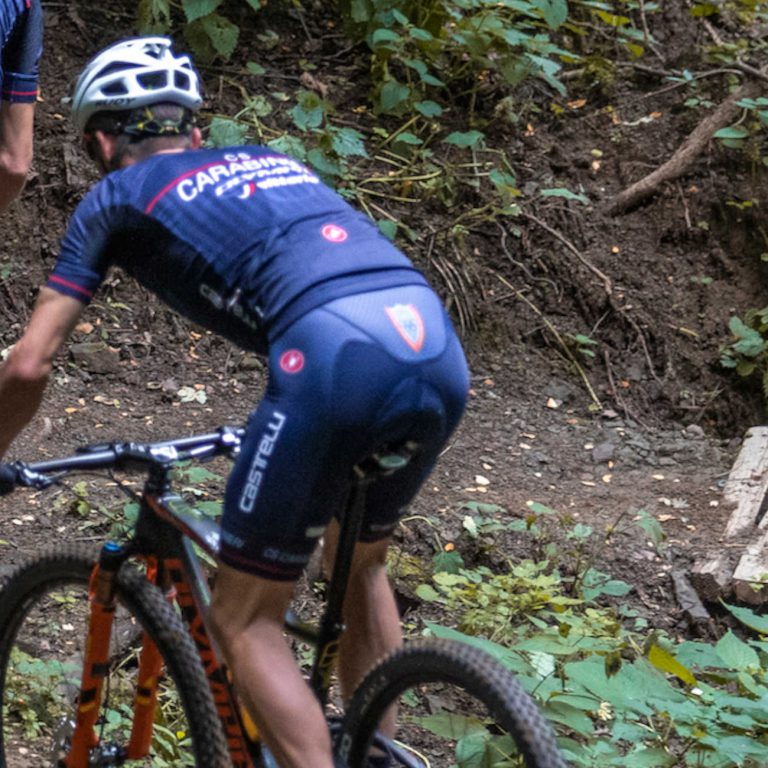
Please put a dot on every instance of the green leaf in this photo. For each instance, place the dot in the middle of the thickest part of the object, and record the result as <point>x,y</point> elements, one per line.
<point>428,593</point>
<point>254,68</point>
<point>749,618</point>
<point>428,108</point>
<point>540,509</point>
<point>360,11</point>
<point>408,138</point>
<point>596,583</point>
<point>482,508</point>
<point>509,658</point>
<point>422,35</point>
<point>745,367</point>
<point>154,16</point>
<point>255,4</point>
<point>736,653</point>
<point>666,662</point>
<point>348,142</point>
<point>566,193</point>
<point>328,168</point>
<point>554,12</point>
<point>223,34</point>
<point>400,17</point>
<point>652,527</point>
<point>308,112</point>
<point>648,757</point>
<point>447,562</point>
<point>733,132</point>
<point>289,145</point>
<point>612,19</point>
<point>569,716</point>
<point>749,341</point>
<point>383,36</point>
<point>224,132</point>
<point>388,228</point>
<point>465,139</point>
<point>393,95</point>
<point>196,9</point>
<point>704,9</point>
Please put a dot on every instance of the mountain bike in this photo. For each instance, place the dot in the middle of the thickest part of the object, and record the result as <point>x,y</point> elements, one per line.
<point>105,658</point>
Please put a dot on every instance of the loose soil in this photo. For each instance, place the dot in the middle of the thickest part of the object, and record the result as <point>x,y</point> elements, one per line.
<point>649,423</point>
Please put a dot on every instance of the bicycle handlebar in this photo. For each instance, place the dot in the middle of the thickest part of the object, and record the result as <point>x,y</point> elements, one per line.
<point>121,455</point>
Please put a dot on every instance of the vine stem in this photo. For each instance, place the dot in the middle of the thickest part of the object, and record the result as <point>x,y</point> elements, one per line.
<point>553,330</point>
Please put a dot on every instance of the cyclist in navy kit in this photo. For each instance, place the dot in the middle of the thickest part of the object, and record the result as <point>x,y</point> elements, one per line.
<point>250,244</point>
<point>21,43</point>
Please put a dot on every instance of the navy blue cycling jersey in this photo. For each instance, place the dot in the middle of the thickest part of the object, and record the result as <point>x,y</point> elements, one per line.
<point>21,43</point>
<point>241,240</point>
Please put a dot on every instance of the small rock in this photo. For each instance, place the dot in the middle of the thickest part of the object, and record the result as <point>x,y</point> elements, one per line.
<point>603,452</point>
<point>96,357</point>
<point>694,432</point>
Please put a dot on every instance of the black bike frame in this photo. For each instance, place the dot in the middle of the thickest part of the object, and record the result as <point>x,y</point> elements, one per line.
<point>165,535</point>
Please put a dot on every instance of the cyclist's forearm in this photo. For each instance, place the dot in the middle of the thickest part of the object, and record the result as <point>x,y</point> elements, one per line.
<point>16,121</point>
<point>20,397</point>
<point>11,184</point>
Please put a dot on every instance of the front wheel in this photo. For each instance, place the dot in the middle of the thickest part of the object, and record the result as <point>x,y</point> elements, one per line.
<point>44,612</point>
<point>457,707</point>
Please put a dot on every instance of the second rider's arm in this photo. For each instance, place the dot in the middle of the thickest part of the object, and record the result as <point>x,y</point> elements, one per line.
<point>24,375</point>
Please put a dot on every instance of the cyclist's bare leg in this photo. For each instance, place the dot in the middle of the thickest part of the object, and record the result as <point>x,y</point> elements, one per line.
<point>371,618</point>
<point>247,619</point>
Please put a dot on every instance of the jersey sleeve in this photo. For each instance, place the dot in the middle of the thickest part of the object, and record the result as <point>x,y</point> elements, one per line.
<point>21,55</point>
<point>83,261</point>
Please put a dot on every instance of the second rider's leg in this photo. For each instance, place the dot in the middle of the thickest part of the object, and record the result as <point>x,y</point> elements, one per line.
<point>371,618</point>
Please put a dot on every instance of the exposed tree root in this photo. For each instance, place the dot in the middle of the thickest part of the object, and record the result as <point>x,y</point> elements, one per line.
<point>686,153</point>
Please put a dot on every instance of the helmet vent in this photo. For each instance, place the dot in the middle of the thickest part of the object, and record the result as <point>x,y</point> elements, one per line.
<point>114,89</point>
<point>181,80</point>
<point>153,81</point>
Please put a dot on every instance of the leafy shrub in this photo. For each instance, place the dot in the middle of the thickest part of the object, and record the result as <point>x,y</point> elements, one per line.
<point>420,46</point>
<point>208,32</point>
<point>617,692</point>
<point>747,354</point>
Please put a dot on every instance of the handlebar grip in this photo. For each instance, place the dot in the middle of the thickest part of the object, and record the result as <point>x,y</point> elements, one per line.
<point>8,478</point>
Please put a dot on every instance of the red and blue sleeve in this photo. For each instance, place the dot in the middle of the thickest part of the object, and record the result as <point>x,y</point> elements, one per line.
<point>21,55</point>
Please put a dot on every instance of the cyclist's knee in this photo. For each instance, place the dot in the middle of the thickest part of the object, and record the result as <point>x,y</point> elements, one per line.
<point>246,604</point>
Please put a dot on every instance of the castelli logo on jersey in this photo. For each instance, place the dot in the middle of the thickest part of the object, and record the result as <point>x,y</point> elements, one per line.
<point>292,361</point>
<point>333,233</point>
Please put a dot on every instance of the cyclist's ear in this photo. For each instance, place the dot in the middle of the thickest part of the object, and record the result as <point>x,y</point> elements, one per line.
<point>101,148</point>
<point>196,138</point>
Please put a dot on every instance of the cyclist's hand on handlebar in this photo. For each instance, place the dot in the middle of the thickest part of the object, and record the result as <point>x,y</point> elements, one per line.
<point>7,478</point>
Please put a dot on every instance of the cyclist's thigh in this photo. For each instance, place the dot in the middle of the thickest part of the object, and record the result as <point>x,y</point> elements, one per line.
<point>21,34</point>
<point>337,391</point>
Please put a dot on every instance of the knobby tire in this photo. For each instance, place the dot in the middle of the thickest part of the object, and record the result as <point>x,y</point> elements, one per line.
<point>467,668</point>
<point>48,570</point>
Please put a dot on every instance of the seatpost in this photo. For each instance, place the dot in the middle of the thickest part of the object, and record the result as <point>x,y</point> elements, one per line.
<point>331,625</point>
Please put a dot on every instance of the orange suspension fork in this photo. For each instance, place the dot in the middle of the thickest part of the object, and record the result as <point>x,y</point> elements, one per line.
<point>145,700</point>
<point>96,661</point>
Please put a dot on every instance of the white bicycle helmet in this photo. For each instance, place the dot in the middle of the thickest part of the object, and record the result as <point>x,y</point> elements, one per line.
<point>134,73</point>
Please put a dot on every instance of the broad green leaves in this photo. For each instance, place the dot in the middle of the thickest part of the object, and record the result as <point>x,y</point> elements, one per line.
<point>618,698</point>
<point>196,9</point>
<point>451,43</point>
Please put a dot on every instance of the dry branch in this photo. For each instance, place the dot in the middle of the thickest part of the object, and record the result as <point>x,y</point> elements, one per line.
<point>685,154</point>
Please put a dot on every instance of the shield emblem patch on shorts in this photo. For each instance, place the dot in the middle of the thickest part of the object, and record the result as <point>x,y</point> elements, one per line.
<point>407,320</point>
